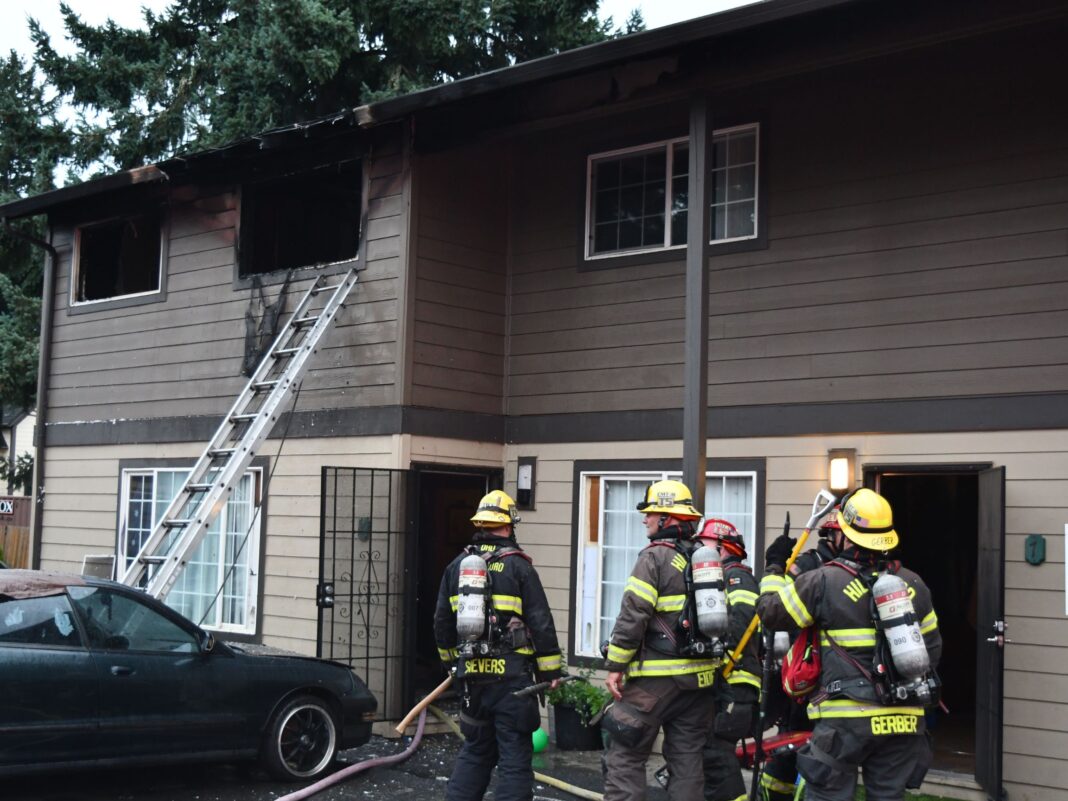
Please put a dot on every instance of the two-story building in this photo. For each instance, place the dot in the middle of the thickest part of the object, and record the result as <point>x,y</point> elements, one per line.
<point>887,282</point>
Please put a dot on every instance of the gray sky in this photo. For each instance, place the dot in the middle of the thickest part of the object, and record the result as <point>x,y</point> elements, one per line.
<point>14,32</point>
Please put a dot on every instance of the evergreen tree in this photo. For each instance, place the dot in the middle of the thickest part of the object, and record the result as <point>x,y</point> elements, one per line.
<point>207,72</point>
<point>32,143</point>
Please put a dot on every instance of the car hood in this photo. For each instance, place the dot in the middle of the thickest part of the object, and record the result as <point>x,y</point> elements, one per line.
<point>256,649</point>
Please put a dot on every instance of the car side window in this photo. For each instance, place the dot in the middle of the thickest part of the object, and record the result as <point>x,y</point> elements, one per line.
<point>118,622</point>
<point>38,621</point>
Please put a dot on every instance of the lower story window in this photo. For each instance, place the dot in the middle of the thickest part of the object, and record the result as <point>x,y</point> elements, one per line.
<point>219,587</point>
<point>613,535</point>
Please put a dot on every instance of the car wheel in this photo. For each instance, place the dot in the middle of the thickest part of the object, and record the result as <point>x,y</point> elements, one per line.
<point>301,741</point>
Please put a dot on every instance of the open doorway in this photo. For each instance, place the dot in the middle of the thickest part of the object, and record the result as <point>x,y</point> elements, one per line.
<point>936,514</point>
<point>447,497</point>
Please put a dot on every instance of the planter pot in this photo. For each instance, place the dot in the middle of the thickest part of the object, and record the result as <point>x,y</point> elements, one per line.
<point>572,735</point>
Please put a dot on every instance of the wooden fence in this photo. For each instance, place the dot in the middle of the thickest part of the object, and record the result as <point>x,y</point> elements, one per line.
<point>15,530</point>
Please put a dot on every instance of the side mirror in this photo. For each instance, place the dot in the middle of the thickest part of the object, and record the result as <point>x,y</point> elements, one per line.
<point>207,642</point>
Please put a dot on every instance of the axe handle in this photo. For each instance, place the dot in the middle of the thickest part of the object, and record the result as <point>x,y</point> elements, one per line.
<point>400,727</point>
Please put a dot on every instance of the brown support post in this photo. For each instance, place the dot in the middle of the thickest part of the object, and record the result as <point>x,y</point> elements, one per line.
<point>695,398</point>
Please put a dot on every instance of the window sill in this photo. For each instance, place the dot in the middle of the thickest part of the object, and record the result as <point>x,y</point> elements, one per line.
<point>278,277</point>
<point>669,255</point>
<point>119,302</point>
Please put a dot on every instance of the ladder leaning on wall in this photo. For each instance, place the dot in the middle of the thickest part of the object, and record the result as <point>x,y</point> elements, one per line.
<point>231,450</point>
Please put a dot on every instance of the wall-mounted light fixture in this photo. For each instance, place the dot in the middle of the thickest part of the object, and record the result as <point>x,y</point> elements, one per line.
<point>525,478</point>
<point>841,469</point>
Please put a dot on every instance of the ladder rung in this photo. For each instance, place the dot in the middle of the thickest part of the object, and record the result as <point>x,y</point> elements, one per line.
<point>325,288</point>
<point>278,354</point>
<point>261,385</point>
<point>177,522</point>
<point>215,453</point>
<point>198,487</point>
<point>152,560</point>
<point>306,320</point>
<point>242,418</point>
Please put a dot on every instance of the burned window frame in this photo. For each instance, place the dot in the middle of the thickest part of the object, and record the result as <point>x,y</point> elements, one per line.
<point>162,218</point>
<point>249,205</point>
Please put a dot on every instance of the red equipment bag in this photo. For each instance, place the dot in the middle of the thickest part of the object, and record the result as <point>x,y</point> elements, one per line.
<point>801,665</point>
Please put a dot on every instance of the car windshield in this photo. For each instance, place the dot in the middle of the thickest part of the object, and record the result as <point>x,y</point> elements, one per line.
<point>115,621</point>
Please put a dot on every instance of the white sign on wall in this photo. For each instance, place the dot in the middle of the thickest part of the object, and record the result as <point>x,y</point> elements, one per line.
<point>7,507</point>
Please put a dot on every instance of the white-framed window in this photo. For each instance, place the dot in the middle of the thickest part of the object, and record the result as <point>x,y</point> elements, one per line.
<point>218,588</point>
<point>118,258</point>
<point>637,198</point>
<point>611,534</point>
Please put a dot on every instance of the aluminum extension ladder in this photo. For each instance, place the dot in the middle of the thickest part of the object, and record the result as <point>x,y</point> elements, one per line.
<point>230,451</point>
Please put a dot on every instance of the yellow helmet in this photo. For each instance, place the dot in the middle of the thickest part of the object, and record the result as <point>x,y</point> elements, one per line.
<point>669,498</point>
<point>867,520</point>
<point>494,510</point>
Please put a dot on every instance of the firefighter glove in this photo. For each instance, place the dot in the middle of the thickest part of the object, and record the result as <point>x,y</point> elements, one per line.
<point>779,552</point>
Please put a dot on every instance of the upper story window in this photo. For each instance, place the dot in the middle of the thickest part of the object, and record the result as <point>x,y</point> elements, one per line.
<point>117,258</point>
<point>301,220</point>
<point>637,199</point>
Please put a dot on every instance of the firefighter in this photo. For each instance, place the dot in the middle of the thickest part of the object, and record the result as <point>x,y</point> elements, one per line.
<point>665,687</point>
<point>866,715</point>
<point>516,642</point>
<point>777,779</point>
<point>737,697</point>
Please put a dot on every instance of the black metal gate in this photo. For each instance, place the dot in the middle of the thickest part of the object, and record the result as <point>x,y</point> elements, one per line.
<point>364,549</point>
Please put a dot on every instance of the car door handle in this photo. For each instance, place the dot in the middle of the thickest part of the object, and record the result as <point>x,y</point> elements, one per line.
<point>121,670</point>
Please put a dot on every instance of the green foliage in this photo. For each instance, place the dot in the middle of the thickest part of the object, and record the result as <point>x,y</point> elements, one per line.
<point>20,313</point>
<point>581,695</point>
<point>19,474</point>
<point>206,72</point>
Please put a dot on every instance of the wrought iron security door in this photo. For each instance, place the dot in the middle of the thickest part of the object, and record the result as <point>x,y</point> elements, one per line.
<point>364,553</point>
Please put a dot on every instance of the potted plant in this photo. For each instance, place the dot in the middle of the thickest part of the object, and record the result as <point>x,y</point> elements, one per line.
<point>574,704</point>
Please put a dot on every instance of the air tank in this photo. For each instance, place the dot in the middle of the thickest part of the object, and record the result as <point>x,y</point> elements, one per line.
<point>709,598</point>
<point>471,606</point>
<point>894,608</point>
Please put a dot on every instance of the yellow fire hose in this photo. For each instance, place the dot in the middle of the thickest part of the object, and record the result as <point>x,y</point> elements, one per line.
<point>541,777</point>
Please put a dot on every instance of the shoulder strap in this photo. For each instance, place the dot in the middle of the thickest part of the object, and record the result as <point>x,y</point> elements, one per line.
<point>508,550</point>
<point>848,568</point>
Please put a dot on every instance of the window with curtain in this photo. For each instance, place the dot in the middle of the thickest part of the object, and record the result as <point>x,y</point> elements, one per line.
<point>614,535</point>
<point>218,588</point>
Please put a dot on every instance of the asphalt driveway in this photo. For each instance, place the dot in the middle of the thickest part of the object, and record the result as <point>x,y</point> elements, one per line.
<point>422,777</point>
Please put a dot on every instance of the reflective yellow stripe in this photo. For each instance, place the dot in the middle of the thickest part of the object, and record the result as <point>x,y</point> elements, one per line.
<point>645,591</point>
<point>670,603</point>
<point>454,602</point>
<point>795,606</point>
<point>848,638</point>
<point>621,655</point>
<point>553,662</point>
<point>929,623</point>
<point>743,677</point>
<point>772,583</point>
<point>769,782</point>
<point>671,667</point>
<point>525,650</point>
<point>508,603</point>
<point>448,654</point>
<point>742,597</point>
<point>848,708</point>
<point>742,797</point>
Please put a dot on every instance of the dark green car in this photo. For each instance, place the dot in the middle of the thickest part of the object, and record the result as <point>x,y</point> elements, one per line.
<point>95,673</point>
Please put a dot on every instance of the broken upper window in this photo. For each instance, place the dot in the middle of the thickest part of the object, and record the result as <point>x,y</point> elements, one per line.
<point>301,220</point>
<point>117,258</point>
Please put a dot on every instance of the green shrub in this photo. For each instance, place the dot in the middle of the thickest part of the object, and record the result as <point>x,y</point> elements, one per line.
<point>581,695</point>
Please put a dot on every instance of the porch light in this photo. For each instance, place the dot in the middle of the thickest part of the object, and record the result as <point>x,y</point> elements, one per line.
<point>841,463</point>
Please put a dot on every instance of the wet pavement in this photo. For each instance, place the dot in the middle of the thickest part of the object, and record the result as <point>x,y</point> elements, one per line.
<point>421,777</point>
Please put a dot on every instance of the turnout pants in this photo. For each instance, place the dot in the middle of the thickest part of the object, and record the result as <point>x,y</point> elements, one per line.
<point>735,719</point>
<point>496,728</point>
<point>889,762</point>
<point>649,704</point>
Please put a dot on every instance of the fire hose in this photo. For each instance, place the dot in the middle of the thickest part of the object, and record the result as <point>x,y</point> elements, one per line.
<point>420,709</point>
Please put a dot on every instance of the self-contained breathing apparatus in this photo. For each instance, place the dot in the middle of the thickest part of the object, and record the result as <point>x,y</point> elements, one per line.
<point>478,624</point>
<point>901,671</point>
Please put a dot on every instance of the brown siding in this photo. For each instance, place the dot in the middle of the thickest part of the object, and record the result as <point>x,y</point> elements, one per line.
<point>916,248</point>
<point>459,294</point>
<point>182,356</point>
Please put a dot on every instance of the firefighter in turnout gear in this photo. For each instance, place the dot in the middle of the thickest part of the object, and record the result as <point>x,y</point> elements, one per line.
<point>777,780</point>
<point>869,710</point>
<point>515,642</point>
<point>668,685</point>
<point>737,696</point>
